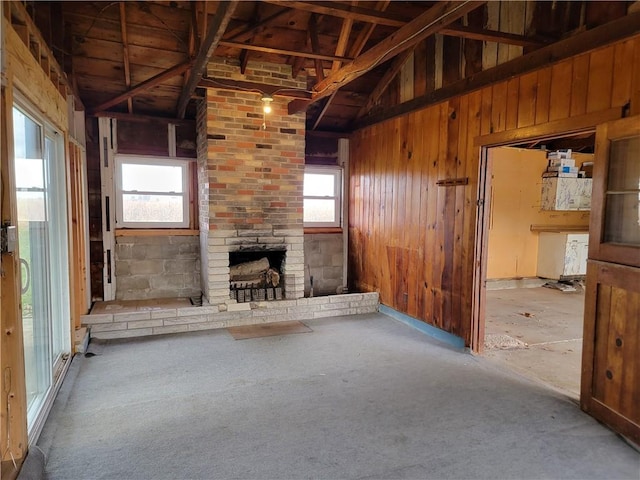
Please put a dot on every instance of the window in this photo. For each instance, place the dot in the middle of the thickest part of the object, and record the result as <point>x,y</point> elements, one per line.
<point>152,192</point>
<point>322,196</point>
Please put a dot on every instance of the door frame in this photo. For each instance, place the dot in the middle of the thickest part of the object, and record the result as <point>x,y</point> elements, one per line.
<point>560,128</point>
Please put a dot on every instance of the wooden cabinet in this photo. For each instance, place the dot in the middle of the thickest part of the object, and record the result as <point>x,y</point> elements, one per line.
<point>562,255</point>
<point>561,193</point>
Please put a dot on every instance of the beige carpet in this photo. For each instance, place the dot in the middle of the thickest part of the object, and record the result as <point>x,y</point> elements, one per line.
<point>268,330</point>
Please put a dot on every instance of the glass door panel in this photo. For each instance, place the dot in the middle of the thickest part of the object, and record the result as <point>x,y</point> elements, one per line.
<point>33,236</point>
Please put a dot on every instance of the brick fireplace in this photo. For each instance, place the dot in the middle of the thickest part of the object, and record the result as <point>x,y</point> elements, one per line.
<point>249,177</point>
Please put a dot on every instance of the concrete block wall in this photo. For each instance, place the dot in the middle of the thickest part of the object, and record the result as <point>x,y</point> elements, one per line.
<point>324,259</point>
<point>208,317</point>
<point>157,267</point>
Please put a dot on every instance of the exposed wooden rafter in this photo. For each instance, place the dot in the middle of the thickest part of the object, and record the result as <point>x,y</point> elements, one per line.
<point>143,87</point>
<point>243,33</point>
<point>210,42</point>
<point>315,45</point>
<point>281,51</point>
<point>430,22</point>
<point>475,33</point>
<point>125,52</point>
<point>355,50</point>
<point>385,81</point>
<point>354,13</point>
<point>242,86</point>
<point>341,47</point>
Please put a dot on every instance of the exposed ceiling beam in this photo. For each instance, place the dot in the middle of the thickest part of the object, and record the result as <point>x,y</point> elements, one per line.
<point>145,118</point>
<point>242,33</point>
<point>239,85</point>
<point>315,45</point>
<point>341,47</point>
<point>596,37</point>
<point>385,81</point>
<point>343,39</point>
<point>354,13</point>
<point>280,51</point>
<point>474,33</point>
<point>323,110</point>
<point>209,43</point>
<point>125,52</point>
<point>432,21</point>
<point>355,50</point>
<point>365,33</point>
<point>143,87</point>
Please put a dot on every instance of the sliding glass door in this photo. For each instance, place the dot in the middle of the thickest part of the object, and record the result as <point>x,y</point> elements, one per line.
<point>42,237</point>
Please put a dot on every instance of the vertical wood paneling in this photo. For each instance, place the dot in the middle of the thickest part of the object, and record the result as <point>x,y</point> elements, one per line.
<point>600,79</point>
<point>543,95</point>
<point>499,108</point>
<point>622,66</point>
<point>579,84</point>
<point>513,100</point>
<point>485,116</point>
<point>414,241</point>
<point>560,101</point>
<point>635,79</point>
<point>527,99</point>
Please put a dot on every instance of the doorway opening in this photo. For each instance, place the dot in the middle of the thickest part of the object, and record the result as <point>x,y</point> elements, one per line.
<point>537,233</point>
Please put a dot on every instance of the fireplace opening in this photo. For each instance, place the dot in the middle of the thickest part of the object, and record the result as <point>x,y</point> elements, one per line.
<point>256,275</point>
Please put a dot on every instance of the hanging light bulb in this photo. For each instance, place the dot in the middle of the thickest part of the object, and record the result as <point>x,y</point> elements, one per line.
<point>266,103</point>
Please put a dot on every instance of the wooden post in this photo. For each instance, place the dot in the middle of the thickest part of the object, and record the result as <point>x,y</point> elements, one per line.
<point>13,404</point>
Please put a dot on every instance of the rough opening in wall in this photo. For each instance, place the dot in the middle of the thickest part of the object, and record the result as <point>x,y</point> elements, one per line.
<point>257,275</point>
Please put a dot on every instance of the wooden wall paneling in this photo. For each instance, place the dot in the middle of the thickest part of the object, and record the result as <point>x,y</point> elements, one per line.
<point>490,51</point>
<point>579,84</point>
<point>458,251</point>
<point>485,113</point>
<point>622,66</point>
<point>527,97</point>
<point>499,107</point>
<point>420,165</point>
<point>473,48</point>
<point>451,60</point>
<point>543,96</point>
<point>388,167</point>
<point>412,214</point>
<point>437,60</point>
<point>600,80</point>
<point>513,100</point>
<point>512,17</point>
<point>430,44</point>
<point>455,114</point>
<point>635,79</point>
<point>560,96</point>
<point>420,69</point>
<point>470,192</point>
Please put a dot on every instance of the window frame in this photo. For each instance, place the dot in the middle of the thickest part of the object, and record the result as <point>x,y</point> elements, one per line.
<point>183,163</point>
<point>336,172</point>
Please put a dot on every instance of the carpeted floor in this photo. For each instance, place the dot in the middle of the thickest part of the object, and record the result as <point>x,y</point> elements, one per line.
<point>268,330</point>
<point>363,397</point>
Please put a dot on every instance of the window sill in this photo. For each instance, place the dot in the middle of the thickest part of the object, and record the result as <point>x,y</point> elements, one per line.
<point>155,232</point>
<point>312,230</point>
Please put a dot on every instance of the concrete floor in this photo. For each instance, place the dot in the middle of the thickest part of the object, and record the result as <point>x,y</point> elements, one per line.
<point>359,397</point>
<point>547,326</point>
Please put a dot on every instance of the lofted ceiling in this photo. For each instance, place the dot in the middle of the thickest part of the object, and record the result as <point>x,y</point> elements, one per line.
<point>145,57</point>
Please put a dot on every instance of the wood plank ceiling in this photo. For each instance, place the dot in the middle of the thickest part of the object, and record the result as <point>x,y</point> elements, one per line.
<point>147,58</point>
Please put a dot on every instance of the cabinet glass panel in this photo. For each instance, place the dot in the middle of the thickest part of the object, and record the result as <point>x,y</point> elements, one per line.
<point>622,212</point>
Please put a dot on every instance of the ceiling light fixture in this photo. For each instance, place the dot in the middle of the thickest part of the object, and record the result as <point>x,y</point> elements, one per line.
<point>266,103</point>
<point>266,108</point>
